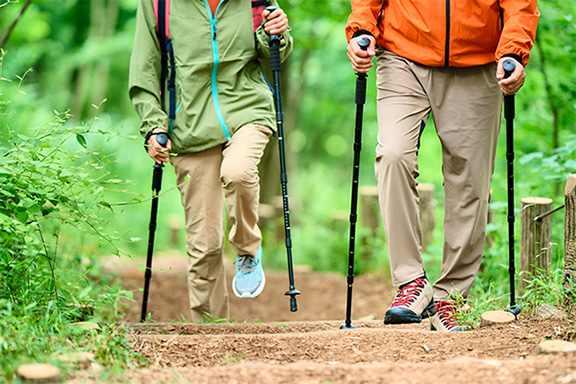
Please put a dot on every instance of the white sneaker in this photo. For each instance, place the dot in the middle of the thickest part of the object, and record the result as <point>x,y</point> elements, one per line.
<point>249,279</point>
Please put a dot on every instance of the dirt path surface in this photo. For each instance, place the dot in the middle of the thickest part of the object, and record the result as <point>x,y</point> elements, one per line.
<point>269,344</point>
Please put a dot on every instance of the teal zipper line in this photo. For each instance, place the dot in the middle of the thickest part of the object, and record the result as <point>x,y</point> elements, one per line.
<point>215,69</point>
<point>172,120</point>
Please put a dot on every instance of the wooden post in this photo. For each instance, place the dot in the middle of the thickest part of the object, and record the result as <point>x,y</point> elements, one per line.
<point>570,239</point>
<point>370,208</point>
<point>427,217</point>
<point>535,238</point>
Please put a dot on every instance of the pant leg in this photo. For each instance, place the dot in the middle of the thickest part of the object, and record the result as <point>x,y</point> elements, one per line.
<point>466,105</point>
<point>198,178</point>
<point>241,183</point>
<point>403,110</point>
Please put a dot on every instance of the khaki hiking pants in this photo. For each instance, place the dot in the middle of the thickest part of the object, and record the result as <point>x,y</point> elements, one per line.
<point>466,106</point>
<point>205,179</point>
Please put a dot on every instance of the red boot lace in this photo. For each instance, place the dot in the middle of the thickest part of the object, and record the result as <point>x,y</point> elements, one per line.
<point>445,310</point>
<point>407,293</point>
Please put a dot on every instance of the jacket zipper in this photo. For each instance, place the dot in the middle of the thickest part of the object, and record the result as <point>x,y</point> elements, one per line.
<point>447,46</point>
<point>215,68</point>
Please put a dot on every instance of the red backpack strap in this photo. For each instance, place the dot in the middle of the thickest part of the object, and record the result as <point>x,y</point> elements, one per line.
<point>162,13</point>
<point>257,9</point>
<point>163,24</point>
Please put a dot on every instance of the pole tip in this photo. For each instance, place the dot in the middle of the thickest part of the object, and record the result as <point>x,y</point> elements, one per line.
<point>347,326</point>
<point>514,309</point>
<point>292,293</point>
<point>293,304</point>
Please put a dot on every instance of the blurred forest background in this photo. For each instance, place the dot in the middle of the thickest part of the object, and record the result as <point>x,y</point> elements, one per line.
<point>70,59</point>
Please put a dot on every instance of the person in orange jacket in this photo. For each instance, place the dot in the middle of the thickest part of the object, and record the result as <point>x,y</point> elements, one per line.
<point>442,58</point>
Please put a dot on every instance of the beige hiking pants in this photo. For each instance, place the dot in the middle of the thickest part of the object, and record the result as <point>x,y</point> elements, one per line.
<point>466,106</point>
<point>205,179</point>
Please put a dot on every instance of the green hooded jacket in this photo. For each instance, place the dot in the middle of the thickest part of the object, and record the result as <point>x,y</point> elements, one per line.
<point>220,86</point>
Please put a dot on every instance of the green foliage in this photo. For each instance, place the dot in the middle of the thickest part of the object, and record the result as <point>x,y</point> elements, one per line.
<point>549,169</point>
<point>85,59</point>
<point>469,311</point>
<point>314,223</point>
<point>51,200</point>
<point>544,287</point>
<point>209,318</point>
<point>554,54</point>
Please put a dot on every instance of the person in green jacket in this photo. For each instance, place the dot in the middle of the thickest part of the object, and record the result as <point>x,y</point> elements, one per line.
<point>224,117</point>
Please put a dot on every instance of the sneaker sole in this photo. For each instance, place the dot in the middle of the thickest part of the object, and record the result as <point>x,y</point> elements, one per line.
<point>247,295</point>
<point>406,316</point>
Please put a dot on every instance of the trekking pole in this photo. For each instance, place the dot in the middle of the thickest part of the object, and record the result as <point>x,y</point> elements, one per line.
<point>275,67</point>
<point>363,42</point>
<point>162,139</point>
<point>509,66</point>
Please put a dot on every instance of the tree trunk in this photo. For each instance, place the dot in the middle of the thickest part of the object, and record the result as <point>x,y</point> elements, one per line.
<point>102,70</point>
<point>39,373</point>
<point>551,98</point>
<point>92,80</point>
<point>496,318</point>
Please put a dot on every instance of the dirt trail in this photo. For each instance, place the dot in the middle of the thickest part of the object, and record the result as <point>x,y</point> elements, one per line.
<point>269,344</point>
<point>323,295</point>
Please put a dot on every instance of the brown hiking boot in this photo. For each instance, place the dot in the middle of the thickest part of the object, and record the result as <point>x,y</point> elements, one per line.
<point>413,302</point>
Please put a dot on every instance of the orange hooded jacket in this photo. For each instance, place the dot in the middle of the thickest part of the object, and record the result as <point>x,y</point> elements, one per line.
<point>456,33</point>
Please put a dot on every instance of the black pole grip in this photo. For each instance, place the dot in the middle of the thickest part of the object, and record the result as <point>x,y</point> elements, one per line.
<point>274,54</point>
<point>509,107</point>
<point>274,47</point>
<point>162,139</point>
<point>360,89</point>
<point>509,66</point>
<point>363,43</point>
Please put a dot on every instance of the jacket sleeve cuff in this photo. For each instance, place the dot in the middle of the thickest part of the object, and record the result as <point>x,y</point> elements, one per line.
<point>514,56</point>
<point>361,32</point>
